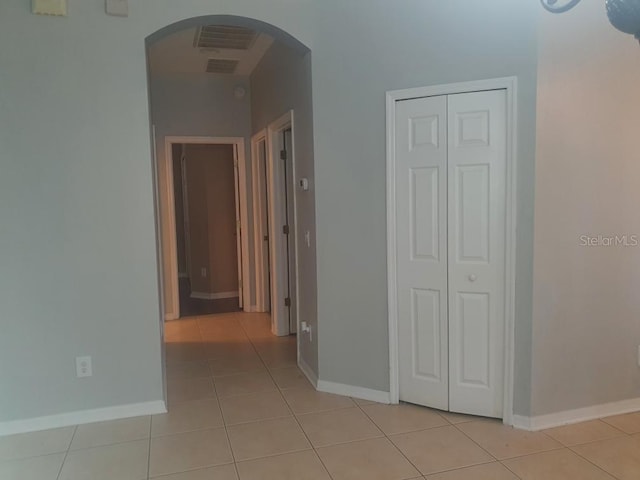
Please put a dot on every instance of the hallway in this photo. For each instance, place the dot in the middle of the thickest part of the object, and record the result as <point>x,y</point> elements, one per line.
<point>239,408</point>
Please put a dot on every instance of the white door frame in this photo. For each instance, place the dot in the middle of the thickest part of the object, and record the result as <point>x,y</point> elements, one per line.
<point>510,85</point>
<point>259,198</point>
<point>280,327</point>
<point>170,248</point>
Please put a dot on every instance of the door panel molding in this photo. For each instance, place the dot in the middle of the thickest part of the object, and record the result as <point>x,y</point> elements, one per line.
<point>470,130</point>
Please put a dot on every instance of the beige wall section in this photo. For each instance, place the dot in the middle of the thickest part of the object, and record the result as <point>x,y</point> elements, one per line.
<point>178,193</point>
<point>198,214</point>
<point>586,327</point>
<point>212,218</point>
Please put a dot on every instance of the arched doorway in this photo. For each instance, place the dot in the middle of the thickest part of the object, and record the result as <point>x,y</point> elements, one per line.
<point>261,105</point>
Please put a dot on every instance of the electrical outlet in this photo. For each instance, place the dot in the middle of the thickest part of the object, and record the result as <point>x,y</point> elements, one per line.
<point>306,328</point>
<point>203,272</point>
<point>84,367</point>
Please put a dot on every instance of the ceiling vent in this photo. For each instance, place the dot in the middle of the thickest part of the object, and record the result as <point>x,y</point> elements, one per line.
<point>221,36</point>
<point>217,65</point>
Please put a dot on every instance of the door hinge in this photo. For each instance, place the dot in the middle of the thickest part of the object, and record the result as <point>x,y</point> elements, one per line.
<point>266,238</point>
<point>285,229</point>
<point>287,302</point>
<point>283,154</point>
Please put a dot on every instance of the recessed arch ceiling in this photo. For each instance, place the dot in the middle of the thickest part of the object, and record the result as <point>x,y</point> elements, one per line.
<point>179,52</point>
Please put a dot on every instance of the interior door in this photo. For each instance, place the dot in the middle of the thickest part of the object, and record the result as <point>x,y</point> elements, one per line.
<point>264,220</point>
<point>236,178</point>
<point>477,216</point>
<point>287,143</point>
<point>450,257</point>
<point>421,216</point>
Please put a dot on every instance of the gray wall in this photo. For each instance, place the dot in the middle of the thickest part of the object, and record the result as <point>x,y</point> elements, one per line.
<point>364,48</point>
<point>77,252</point>
<point>282,82</point>
<point>586,309</point>
<point>196,105</point>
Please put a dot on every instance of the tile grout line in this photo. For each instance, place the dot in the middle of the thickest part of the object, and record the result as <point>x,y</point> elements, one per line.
<point>224,423</point>
<point>313,448</point>
<point>391,441</point>
<point>592,463</point>
<point>66,454</point>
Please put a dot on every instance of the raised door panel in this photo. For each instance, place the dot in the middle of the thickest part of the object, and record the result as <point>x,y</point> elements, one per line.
<point>421,215</point>
<point>476,267</point>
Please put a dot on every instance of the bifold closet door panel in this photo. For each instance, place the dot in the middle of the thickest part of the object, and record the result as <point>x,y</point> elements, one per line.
<point>421,216</point>
<point>477,141</point>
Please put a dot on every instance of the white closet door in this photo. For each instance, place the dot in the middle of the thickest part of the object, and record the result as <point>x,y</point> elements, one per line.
<point>421,215</point>
<point>477,197</point>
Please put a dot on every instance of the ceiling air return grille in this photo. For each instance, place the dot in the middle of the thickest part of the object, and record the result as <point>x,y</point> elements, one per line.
<point>217,65</point>
<point>220,36</point>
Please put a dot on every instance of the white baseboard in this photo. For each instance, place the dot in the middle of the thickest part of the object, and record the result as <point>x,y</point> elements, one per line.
<point>567,417</point>
<point>251,309</point>
<point>308,372</point>
<point>81,417</point>
<point>213,296</point>
<point>354,391</point>
<point>170,316</point>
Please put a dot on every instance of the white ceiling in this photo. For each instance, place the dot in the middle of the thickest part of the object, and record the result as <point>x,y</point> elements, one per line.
<point>176,54</point>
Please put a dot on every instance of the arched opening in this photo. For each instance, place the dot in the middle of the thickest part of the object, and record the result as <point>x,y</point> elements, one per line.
<point>231,97</point>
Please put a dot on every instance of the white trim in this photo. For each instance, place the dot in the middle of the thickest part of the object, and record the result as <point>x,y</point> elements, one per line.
<point>567,417</point>
<point>213,296</point>
<point>170,316</point>
<point>171,247</point>
<point>510,85</point>
<point>353,391</point>
<point>278,327</point>
<point>81,417</point>
<point>308,372</point>
<point>262,286</point>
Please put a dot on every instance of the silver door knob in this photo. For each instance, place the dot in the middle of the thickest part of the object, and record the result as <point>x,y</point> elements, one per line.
<point>472,278</point>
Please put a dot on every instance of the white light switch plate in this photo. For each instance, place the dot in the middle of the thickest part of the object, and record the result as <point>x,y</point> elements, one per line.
<point>49,7</point>
<point>119,8</point>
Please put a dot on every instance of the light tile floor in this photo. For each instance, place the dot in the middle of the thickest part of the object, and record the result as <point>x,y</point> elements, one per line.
<point>239,409</point>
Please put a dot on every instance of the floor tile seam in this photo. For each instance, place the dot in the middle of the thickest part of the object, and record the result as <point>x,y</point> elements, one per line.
<point>509,469</point>
<point>235,395</point>
<point>291,410</point>
<point>271,455</point>
<point>388,438</point>
<point>66,454</point>
<point>233,457</point>
<point>604,420</point>
<point>477,464</point>
<point>269,373</point>
<point>475,443</point>
<point>389,435</point>
<point>248,422</point>
<point>593,463</point>
<point>188,470</point>
<point>593,441</point>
